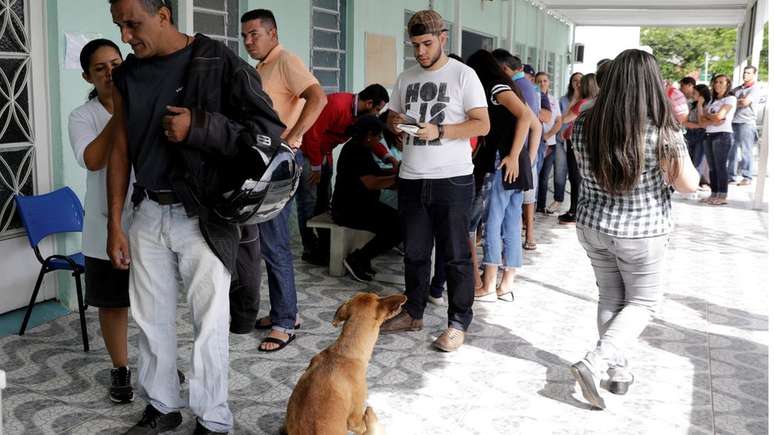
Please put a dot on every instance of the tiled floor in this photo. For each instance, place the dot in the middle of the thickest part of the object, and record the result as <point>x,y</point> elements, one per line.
<point>701,367</point>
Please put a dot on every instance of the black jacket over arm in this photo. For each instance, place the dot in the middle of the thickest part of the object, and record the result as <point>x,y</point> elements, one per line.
<point>229,114</point>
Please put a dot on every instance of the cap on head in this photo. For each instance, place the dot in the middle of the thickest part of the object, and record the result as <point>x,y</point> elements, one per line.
<point>528,69</point>
<point>426,22</point>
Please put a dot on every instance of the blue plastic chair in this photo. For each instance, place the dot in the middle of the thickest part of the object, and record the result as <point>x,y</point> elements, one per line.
<point>42,215</point>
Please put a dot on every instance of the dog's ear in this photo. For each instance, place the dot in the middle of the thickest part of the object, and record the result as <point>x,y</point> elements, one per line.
<point>391,304</point>
<point>342,314</point>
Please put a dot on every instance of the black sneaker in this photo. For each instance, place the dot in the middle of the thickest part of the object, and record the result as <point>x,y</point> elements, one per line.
<point>315,259</point>
<point>154,422</point>
<point>121,385</point>
<point>567,219</point>
<point>201,430</point>
<point>355,268</point>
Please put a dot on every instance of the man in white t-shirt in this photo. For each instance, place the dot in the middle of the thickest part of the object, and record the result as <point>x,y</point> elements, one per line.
<point>445,101</point>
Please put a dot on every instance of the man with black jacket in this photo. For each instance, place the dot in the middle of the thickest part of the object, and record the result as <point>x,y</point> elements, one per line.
<point>186,109</point>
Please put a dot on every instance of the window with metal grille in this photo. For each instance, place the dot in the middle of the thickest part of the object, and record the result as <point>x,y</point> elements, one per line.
<point>17,138</point>
<point>531,57</point>
<point>551,71</point>
<point>218,19</point>
<point>408,49</point>
<point>329,44</point>
<point>520,50</point>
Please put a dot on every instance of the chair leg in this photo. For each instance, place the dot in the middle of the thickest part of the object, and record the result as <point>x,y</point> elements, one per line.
<point>32,300</point>
<point>81,309</point>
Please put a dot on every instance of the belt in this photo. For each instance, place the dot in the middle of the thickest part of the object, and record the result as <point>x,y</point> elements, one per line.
<point>162,197</point>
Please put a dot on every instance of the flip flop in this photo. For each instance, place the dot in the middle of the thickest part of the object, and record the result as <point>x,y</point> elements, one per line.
<point>262,327</point>
<point>507,296</point>
<point>529,246</point>
<point>282,343</point>
<point>486,297</point>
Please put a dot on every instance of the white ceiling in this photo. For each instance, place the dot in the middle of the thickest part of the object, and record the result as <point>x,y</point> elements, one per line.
<point>706,13</point>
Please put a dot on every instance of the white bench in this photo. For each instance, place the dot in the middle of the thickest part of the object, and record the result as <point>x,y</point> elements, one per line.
<point>343,241</point>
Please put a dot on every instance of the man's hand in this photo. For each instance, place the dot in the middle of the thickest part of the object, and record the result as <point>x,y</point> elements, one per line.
<point>118,249</point>
<point>393,119</point>
<point>315,177</point>
<point>427,131</point>
<point>293,141</point>
<point>176,124</point>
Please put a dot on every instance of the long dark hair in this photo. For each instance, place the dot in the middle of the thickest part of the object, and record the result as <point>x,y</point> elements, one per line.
<point>570,89</point>
<point>589,87</point>
<point>489,72</point>
<point>88,51</point>
<point>712,86</point>
<point>632,98</point>
<point>705,92</point>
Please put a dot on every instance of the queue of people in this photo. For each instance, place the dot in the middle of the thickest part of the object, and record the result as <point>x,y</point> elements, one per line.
<point>155,159</point>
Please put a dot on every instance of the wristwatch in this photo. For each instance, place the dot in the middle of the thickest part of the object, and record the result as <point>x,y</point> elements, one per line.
<point>440,131</point>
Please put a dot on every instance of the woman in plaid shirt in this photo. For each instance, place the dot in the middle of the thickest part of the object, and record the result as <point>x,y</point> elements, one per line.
<point>630,161</point>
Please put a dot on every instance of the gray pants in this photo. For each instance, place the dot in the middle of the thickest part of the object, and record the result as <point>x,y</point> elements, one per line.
<point>628,273</point>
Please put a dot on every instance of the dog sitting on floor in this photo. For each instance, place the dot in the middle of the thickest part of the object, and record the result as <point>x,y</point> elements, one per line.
<point>329,399</point>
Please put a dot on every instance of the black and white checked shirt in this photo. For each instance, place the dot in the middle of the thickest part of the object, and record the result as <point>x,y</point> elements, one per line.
<point>645,211</point>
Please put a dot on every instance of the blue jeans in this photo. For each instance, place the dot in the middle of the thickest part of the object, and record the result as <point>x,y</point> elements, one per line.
<point>717,146</point>
<point>556,159</point>
<point>502,245</point>
<point>694,139</point>
<point>430,211</point>
<point>745,136</point>
<point>477,213</point>
<point>311,200</point>
<point>275,250</point>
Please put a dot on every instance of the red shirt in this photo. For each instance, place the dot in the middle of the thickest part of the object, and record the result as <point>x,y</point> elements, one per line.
<point>330,128</point>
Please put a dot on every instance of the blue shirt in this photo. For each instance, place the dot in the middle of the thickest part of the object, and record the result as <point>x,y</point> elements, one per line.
<point>530,95</point>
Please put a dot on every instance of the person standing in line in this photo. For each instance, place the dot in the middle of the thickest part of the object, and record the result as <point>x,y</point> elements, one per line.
<point>551,125</point>
<point>719,136</point>
<point>298,100</point>
<point>573,93</point>
<point>748,97</point>
<point>630,162</point>
<point>184,127</point>
<point>91,131</point>
<point>512,66</point>
<point>589,90</point>
<point>512,126</point>
<point>446,102</point>
<point>694,134</point>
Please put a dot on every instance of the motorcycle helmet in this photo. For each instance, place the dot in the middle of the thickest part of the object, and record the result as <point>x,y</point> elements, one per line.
<point>262,195</point>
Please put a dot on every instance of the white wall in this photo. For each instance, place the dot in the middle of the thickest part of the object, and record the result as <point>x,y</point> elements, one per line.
<point>603,42</point>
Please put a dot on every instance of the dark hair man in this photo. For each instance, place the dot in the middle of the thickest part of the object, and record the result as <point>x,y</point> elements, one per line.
<point>298,99</point>
<point>183,139</point>
<point>749,98</point>
<point>445,101</point>
<point>329,130</point>
<point>686,86</point>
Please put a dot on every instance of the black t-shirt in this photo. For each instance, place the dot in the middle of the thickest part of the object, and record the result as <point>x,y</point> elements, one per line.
<point>500,137</point>
<point>350,194</point>
<point>148,86</point>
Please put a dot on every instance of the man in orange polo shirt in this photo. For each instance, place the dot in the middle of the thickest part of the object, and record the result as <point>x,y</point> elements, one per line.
<point>298,99</point>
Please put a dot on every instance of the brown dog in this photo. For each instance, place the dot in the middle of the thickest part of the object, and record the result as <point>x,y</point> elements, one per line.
<point>329,399</point>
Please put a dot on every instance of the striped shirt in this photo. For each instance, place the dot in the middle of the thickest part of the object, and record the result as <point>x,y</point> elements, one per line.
<point>645,211</point>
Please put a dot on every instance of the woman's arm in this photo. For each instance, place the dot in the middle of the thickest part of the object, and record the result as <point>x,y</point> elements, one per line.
<point>524,117</point>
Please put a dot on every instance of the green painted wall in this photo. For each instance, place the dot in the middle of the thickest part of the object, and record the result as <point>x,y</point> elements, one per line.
<point>293,23</point>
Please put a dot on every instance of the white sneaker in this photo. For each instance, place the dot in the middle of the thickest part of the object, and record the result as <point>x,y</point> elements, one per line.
<point>554,207</point>
<point>436,301</point>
